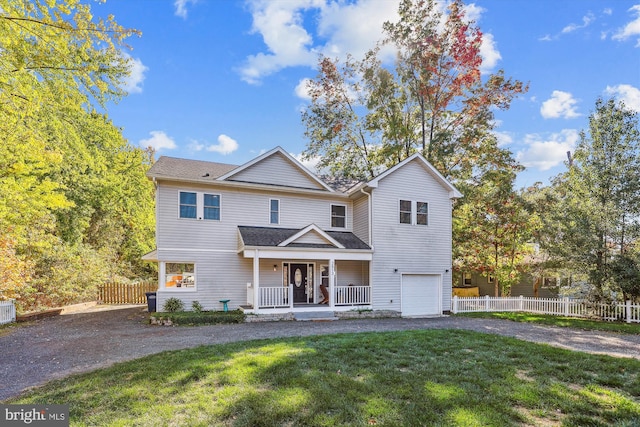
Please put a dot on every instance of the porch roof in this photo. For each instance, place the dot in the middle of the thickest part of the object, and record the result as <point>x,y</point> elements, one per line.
<point>274,237</point>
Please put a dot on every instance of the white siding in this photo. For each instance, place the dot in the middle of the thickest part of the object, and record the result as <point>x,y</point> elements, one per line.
<point>403,248</point>
<point>246,207</point>
<point>352,272</point>
<point>361,218</point>
<point>222,273</point>
<point>276,170</point>
<point>219,276</point>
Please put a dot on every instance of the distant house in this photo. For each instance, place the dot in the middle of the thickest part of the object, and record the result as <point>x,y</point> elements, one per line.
<point>534,286</point>
<point>267,234</point>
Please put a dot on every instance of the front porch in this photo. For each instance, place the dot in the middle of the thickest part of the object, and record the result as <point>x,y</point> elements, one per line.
<point>280,299</point>
<point>305,270</point>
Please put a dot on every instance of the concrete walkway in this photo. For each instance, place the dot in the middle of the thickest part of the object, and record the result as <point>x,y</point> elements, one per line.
<point>52,348</point>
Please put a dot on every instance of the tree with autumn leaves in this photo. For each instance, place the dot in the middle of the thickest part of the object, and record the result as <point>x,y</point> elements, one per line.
<point>76,208</point>
<point>364,117</point>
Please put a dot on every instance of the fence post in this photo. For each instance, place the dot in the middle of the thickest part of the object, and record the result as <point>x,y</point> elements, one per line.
<point>566,306</point>
<point>455,304</point>
<point>521,303</point>
<point>486,303</point>
<point>627,311</point>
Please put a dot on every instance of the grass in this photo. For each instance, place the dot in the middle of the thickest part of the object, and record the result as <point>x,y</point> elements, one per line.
<point>567,322</point>
<point>412,378</point>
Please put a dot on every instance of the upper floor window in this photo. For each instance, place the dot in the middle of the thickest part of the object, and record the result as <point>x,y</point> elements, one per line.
<point>422,213</point>
<point>338,216</point>
<point>188,205</point>
<point>212,207</point>
<point>407,209</point>
<point>405,212</point>
<point>274,211</point>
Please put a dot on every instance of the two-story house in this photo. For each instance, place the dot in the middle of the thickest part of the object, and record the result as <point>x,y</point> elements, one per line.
<point>272,237</point>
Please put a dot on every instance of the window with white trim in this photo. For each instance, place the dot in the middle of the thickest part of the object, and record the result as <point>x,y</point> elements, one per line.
<point>422,213</point>
<point>211,209</point>
<point>405,211</point>
<point>179,276</point>
<point>188,204</point>
<point>338,216</point>
<point>197,205</point>
<point>412,212</point>
<point>274,211</point>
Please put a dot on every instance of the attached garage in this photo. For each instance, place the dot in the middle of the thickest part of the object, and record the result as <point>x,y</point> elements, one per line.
<point>421,295</point>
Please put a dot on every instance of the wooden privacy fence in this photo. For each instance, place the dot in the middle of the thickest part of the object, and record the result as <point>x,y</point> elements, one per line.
<point>125,293</point>
<point>7,311</point>
<point>623,311</point>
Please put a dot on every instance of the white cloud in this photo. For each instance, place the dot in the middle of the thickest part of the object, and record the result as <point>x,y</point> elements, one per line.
<point>586,21</point>
<point>561,104</point>
<point>504,138</point>
<point>544,153</point>
<point>133,83</point>
<point>311,164</point>
<point>296,32</point>
<point>302,90</point>
<point>355,28</point>
<point>626,93</point>
<point>158,141</point>
<point>181,7</point>
<point>282,30</point>
<point>226,145</point>
<point>340,27</point>
<point>195,146</point>
<point>489,52</point>
<point>632,29</point>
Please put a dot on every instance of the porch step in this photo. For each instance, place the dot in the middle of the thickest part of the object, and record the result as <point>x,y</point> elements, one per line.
<point>314,316</point>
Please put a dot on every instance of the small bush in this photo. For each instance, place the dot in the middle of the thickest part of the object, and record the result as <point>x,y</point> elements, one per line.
<point>173,305</point>
<point>196,306</point>
<point>202,318</point>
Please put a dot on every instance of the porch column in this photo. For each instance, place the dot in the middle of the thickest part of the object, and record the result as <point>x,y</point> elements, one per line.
<point>332,282</point>
<point>256,279</point>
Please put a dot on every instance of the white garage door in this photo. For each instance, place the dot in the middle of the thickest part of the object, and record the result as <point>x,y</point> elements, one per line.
<point>421,295</point>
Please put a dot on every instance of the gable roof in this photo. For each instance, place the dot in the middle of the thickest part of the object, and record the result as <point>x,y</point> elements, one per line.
<point>373,183</point>
<point>288,157</point>
<point>286,237</point>
<point>172,167</point>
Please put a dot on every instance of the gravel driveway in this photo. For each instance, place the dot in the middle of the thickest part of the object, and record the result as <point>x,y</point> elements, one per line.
<point>56,347</point>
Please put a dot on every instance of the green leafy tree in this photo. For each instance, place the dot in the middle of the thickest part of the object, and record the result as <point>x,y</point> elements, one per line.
<point>597,212</point>
<point>75,204</point>
<point>495,228</point>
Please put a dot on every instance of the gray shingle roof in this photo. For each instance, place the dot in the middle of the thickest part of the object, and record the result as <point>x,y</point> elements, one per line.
<point>270,236</point>
<point>172,167</point>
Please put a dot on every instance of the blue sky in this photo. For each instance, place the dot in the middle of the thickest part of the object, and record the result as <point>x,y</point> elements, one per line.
<point>222,80</point>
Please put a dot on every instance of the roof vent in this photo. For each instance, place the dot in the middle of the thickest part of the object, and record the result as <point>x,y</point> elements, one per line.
<point>205,175</point>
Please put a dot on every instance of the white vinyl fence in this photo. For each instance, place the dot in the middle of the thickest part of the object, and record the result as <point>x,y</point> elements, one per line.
<point>7,311</point>
<point>624,311</point>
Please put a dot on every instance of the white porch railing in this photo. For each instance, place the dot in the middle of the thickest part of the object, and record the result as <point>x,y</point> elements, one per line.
<point>279,296</point>
<point>352,295</point>
<point>273,297</point>
<point>7,311</point>
<point>625,311</point>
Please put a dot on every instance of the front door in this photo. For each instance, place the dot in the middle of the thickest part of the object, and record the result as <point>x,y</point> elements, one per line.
<point>298,279</point>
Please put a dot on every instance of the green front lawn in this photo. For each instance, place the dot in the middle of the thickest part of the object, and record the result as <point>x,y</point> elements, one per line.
<point>430,378</point>
<point>567,322</point>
